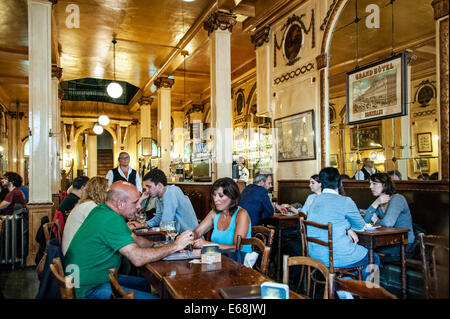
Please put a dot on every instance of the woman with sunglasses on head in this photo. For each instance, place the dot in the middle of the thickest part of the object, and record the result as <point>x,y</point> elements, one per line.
<point>390,209</point>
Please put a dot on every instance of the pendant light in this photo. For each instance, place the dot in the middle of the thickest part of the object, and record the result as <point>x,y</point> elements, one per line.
<point>114,89</point>
<point>103,119</point>
<point>98,129</point>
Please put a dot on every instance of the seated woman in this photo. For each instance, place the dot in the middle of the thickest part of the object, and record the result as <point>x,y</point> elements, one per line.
<point>390,210</point>
<point>342,212</point>
<point>316,188</point>
<point>226,219</point>
<point>94,194</point>
<point>12,181</point>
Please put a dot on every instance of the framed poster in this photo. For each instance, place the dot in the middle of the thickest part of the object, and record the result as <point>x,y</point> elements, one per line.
<point>334,160</point>
<point>296,137</point>
<point>377,91</point>
<point>421,165</point>
<point>424,142</point>
<point>369,138</point>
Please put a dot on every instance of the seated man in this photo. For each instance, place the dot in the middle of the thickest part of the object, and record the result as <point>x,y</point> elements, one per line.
<point>74,196</point>
<point>172,205</point>
<point>104,238</point>
<point>255,199</point>
<point>342,212</point>
<point>12,181</point>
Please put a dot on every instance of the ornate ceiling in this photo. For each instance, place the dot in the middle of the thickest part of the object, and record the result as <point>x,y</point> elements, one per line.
<point>151,34</point>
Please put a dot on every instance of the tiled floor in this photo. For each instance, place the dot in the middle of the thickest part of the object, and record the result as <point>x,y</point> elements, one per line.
<point>20,283</point>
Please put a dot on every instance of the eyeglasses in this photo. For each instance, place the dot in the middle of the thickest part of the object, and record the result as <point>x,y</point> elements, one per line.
<point>124,158</point>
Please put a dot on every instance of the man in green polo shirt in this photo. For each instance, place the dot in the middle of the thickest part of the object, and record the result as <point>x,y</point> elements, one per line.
<point>104,238</point>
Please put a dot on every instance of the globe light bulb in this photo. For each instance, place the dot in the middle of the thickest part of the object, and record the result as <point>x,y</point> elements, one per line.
<point>103,120</point>
<point>98,129</point>
<point>114,90</point>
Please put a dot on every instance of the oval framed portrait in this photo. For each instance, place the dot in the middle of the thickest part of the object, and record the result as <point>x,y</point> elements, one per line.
<point>239,102</point>
<point>293,41</point>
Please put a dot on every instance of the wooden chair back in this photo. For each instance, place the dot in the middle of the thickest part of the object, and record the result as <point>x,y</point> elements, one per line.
<point>430,246</point>
<point>117,291</point>
<point>263,233</point>
<point>47,227</point>
<point>264,250</point>
<point>362,289</point>
<point>65,283</point>
<point>305,239</point>
<point>310,263</point>
<point>241,185</point>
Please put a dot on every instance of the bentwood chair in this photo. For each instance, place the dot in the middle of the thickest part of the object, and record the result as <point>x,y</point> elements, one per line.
<point>310,263</point>
<point>48,227</point>
<point>65,283</point>
<point>333,271</point>
<point>263,250</point>
<point>263,233</point>
<point>362,289</point>
<point>117,291</point>
<point>434,252</point>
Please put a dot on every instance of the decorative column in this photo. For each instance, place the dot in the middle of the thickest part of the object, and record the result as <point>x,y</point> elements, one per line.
<point>55,134</point>
<point>164,86</point>
<point>219,26</point>
<point>92,154</point>
<point>441,17</point>
<point>40,123</point>
<point>263,84</point>
<point>322,62</point>
<point>146,130</point>
<point>178,136</point>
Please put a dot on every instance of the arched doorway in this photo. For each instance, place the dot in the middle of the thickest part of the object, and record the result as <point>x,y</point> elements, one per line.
<point>105,150</point>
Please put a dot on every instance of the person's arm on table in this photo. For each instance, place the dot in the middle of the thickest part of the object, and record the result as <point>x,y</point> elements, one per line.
<point>141,256</point>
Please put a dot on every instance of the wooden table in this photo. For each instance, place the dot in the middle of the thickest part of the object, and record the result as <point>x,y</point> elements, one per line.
<point>183,280</point>
<point>384,236</point>
<point>149,234</point>
<point>280,222</point>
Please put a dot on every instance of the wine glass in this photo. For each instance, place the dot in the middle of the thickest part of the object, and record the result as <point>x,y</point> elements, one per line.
<point>141,216</point>
<point>164,229</point>
<point>173,230</point>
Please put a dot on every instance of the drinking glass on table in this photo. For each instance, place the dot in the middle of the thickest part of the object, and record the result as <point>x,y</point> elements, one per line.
<point>172,230</point>
<point>141,217</point>
<point>164,229</point>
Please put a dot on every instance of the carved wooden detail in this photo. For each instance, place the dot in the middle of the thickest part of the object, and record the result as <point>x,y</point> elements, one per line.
<point>56,72</point>
<point>219,20</point>
<point>261,36</point>
<point>444,98</point>
<point>145,100</point>
<point>440,8</point>
<point>322,61</point>
<point>164,82</point>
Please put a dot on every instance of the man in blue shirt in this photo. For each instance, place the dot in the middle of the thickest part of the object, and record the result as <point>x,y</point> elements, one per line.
<point>172,204</point>
<point>255,199</point>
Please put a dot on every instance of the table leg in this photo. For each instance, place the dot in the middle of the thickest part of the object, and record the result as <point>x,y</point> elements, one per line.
<point>403,256</point>
<point>371,256</point>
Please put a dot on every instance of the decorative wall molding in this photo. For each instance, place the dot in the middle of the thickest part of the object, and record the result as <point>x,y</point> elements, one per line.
<point>327,17</point>
<point>440,8</point>
<point>293,74</point>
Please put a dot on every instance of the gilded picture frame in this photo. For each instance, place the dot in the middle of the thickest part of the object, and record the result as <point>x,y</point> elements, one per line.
<point>424,142</point>
<point>377,91</point>
<point>296,137</point>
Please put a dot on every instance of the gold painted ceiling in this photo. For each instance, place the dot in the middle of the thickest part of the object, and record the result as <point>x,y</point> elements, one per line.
<point>151,35</point>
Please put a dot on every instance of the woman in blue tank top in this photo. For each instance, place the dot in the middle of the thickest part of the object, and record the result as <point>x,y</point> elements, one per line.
<point>226,219</point>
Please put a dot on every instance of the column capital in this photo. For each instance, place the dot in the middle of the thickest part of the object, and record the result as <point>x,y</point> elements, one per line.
<point>145,100</point>
<point>322,60</point>
<point>195,108</point>
<point>260,37</point>
<point>56,72</point>
<point>164,82</point>
<point>440,8</point>
<point>219,20</point>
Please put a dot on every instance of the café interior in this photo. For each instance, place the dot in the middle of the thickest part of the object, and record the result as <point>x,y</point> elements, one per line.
<point>284,87</point>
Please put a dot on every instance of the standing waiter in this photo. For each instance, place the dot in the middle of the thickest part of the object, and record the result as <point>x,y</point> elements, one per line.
<point>124,172</point>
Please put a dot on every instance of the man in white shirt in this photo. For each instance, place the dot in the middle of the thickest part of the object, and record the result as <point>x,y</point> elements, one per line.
<point>124,172</point>
<point>367,170</point>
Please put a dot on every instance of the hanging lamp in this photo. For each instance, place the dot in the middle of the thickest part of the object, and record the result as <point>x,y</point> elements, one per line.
<point>103,119</point>
<point>98,129</point>
<point>114,89</point>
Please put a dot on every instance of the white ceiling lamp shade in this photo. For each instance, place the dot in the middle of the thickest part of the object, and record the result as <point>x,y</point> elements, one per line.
<point>98,129</point>
<point>114,89</point>
<point>103,120</point>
